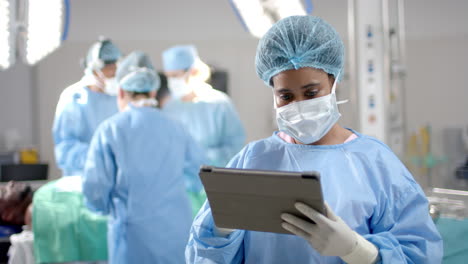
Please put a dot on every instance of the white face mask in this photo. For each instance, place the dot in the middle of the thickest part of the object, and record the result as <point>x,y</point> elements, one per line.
<point>178,87</point>
<point>309,120</point>
<point>111,86</point>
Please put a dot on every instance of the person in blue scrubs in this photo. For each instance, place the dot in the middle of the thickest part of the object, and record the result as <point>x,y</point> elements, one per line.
<point>83,106</point>
<point>135,173</point>
<point>208,114</point>
<point>376,212</point>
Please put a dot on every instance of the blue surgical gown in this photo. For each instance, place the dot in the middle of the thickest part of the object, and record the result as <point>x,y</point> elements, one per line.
<point>134,172</point>
<point>78,114</point>
<point>362,181</point>
<point>213,122</point>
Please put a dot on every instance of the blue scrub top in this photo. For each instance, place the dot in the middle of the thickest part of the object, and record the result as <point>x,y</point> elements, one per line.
<point>79,112</point>
<point>135,173</point>
<point>213,122</point>
<point>363,182</point>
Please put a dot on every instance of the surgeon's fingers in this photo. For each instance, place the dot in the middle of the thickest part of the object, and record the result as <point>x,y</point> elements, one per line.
<point>330,214</point>
<point>296,221</point>
<point>308,211</point>
<point>296,230</point>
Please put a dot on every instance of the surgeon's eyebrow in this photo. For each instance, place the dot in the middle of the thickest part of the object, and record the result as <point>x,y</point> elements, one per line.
<point>307,86</point>
<point>311,85</point>
<point>283,90</point>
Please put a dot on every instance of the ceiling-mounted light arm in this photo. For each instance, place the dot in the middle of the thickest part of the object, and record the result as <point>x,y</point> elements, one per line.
<point>21,31</point>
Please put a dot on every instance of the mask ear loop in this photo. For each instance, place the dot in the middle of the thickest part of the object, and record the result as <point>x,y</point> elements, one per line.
<point>334,83</point>
<point>101,74</point>
<point>103,79</point>
<point>188,75</point>
<point>334,90</point>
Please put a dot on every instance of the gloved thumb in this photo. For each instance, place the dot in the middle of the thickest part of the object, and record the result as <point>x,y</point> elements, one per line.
<point>330,214</point>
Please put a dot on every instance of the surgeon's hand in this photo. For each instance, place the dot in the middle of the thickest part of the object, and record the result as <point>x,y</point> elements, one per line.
<point>330,236</point>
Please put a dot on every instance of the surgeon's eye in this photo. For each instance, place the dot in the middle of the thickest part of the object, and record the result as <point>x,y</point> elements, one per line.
<point>286,97</point>
<point>312,93</point>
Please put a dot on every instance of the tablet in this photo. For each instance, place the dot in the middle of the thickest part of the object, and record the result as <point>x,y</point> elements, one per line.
<point>255,199</point>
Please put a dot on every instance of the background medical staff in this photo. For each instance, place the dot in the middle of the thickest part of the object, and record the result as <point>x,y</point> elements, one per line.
<point>208,114</point>
<point>134,172</point>
<point>84,105</point>
<point>376,211</point>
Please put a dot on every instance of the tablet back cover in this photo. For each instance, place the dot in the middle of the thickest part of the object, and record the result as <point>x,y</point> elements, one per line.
<point>255,200</point>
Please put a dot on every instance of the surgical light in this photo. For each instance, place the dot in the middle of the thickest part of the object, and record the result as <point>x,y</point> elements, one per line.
<point>31,29</point>
<point>6,36</point>
<point>258,16</point>
<point>43,28</point>
<point>253,16</point>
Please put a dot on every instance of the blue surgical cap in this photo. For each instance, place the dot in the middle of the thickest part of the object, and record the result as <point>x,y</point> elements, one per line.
<point>140,80</point>
<point>180,57</point>
<point>136,59</point>
<point>296,42</point>
<point>101,53</point>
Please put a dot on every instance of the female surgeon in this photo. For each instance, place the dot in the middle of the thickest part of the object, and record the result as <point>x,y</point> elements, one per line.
<point>135,172</point>
<point>376,212</point>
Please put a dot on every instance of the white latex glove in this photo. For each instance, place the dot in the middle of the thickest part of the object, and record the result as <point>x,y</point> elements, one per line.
<point>330,236</point>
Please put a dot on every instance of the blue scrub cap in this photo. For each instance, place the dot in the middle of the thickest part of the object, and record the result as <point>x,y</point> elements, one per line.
<point>140,80</point>
<point>101,53</point>
<point>181,57</point>
<point>296,42</point>
<point>136,59</point>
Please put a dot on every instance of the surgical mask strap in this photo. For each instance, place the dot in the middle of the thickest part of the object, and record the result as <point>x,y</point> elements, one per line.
<point>334,90</point>
<point>334,84</point>
<point>101,74</point>
<point>100,82</point>
<point>151,102</point>
<point>186,76</point>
